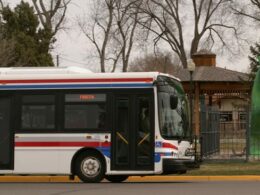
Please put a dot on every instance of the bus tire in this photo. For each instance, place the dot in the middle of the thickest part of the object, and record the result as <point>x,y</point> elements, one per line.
<point>90,167</point>
<point>116,178</point>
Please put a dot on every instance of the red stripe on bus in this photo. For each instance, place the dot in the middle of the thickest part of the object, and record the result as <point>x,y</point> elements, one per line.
<point>168,145</point>
<point>78,80</point>
<point>62,144</point>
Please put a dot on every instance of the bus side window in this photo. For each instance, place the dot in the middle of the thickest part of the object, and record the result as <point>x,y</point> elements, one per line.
<point>38,112</point>
<point>85,111</point>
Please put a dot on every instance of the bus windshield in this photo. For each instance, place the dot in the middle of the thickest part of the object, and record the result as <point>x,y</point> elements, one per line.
<point>174,123</point>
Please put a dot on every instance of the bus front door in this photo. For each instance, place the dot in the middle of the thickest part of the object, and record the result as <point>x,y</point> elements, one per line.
<point>6,135</point>
<point>133,133</point>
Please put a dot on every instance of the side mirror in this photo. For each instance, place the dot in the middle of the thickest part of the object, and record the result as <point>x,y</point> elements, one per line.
<point>173,102</point>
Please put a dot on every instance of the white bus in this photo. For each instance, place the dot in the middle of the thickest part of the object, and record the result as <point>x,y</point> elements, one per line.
<point>58,121</point>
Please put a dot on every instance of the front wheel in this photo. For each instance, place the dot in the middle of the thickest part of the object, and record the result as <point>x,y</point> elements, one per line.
<point>116,178</point>
<point>90,167</point>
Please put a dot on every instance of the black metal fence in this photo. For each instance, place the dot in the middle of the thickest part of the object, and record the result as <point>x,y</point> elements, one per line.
<point>225,135</point>
<point>210,134</point>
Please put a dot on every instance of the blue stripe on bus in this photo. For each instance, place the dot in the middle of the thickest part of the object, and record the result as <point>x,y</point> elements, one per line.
<point>105,151</point>
<point>135,85</point>
<point>157,157</point>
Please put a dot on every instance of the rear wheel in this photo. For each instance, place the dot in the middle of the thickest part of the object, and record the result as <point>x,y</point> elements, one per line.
<point>90,167</point>
<point>116,178</point>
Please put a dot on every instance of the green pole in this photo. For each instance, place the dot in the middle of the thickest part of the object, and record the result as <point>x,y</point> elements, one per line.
<point>255,114</point>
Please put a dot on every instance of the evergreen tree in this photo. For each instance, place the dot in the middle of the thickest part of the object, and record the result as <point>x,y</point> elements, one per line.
<point>22,26</point>
<point>254,60</point>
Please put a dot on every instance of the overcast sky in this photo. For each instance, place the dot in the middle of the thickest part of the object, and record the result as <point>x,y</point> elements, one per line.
<point>74,49</point>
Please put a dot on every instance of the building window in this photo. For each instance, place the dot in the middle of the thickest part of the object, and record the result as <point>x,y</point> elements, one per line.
<point>38,112</point>
<point>242,116</point>
<point>226,116</point>
<point>85,111</point>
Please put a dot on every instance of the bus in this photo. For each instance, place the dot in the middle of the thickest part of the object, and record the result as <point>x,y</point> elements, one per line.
<point>60,121</point>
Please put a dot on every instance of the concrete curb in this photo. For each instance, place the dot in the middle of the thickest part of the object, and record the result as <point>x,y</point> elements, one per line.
<point>196,178</point>
<point>60,179</point>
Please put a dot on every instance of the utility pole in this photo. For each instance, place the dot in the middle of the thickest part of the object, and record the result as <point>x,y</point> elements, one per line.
<point>57,60</point>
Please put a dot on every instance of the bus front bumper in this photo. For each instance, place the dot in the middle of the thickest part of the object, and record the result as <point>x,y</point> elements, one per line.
<point>171,166</point>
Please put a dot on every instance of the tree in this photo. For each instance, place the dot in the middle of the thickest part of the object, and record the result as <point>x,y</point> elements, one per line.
<point>254,60</point>
<point>155,63</point>
<point>7,52</point>
<point>98,29</point>
<point>51,16</point>
<point>20,27</point>
<point>211,21</point>
<point>112,31</point>
<point>1,5</point>
<point>7,48</point>
<point>127,21</point>
<point>251,10</point>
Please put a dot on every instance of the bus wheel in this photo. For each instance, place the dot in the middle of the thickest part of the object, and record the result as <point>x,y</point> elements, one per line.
<point>116,178</point>
<point>90,167</point>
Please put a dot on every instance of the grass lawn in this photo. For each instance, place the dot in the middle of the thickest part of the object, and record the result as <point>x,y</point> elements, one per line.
<point>251,168</point>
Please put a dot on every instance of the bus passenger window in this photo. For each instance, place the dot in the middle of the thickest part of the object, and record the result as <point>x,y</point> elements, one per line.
<point>85,111</point>
<point>38,112</point>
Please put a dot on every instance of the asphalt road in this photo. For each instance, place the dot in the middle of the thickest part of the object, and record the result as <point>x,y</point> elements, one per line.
<point>138,188</point>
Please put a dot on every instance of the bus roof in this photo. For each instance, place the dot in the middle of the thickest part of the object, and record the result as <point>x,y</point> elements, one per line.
<point>43,70</point>
<point>24,73</point>
<point>66,78</point>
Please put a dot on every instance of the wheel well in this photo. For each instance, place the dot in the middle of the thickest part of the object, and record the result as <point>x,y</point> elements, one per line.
<point>79,152</point>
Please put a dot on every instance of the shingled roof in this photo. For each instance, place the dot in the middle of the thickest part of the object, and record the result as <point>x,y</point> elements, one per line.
<point>211,74</point>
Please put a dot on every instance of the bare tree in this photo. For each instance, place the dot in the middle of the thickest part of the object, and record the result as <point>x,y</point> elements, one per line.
<point>161,63</point>
<point>211,19</point>
<point>127,20</point>
<point>251,10</point>
<point>112,31</point>
<point>99,31</point>
<point>52,16</point>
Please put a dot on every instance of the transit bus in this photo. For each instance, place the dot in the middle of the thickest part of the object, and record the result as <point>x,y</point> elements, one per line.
<point>60,121</point>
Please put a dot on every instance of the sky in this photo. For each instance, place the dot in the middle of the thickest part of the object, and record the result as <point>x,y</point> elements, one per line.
<point>73,48</point>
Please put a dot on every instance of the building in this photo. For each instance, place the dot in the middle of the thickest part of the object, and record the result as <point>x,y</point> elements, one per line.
<point>226,90</point>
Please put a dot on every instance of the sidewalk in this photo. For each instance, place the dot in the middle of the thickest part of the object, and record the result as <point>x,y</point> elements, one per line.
<point>57,179</point>
<point>207,172</point>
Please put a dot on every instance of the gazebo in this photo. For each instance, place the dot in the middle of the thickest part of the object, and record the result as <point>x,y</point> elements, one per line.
<point>210,82</point>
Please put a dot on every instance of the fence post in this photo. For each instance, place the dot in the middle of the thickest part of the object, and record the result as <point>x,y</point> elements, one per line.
<point>201,147</point>
<point>248,127</point>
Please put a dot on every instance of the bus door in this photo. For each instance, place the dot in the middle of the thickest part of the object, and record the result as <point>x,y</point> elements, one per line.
<point>6,134</point>
<point>133,132</point>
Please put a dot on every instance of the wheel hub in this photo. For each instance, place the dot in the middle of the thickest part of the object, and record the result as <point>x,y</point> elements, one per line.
<point>90,167</point>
